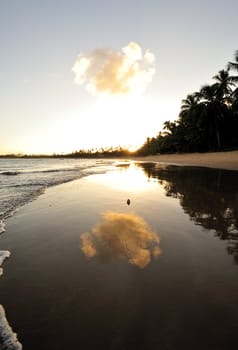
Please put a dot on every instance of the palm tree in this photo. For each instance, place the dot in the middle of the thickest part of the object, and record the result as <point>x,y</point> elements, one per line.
<point>170,126</point>
<point>234,66</point>
<point>191,119</point>
<point>189,102</point>
<point>223,85</point>
<point>214,109</point>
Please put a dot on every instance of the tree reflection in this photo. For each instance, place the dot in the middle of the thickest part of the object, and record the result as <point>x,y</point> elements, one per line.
<point>209,196</point>
<point>121,236</point>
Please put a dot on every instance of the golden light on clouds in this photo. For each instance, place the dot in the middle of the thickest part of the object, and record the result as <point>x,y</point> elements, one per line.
<point>121,236</point>
<point>115,72</point>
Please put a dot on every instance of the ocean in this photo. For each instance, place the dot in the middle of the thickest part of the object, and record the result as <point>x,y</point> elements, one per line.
<point>22,180</point>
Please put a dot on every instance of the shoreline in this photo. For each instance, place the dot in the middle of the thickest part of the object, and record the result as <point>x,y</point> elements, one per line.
<point>220,160</point>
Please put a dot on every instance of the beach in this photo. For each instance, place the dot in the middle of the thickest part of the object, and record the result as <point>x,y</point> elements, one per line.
<point>112,235</point>
<point>219,160</point>
<point>88,269</point>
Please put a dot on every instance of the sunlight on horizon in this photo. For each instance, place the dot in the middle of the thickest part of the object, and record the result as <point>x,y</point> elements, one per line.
<point>110,121</point>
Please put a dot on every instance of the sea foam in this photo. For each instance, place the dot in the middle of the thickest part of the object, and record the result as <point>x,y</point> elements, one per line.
<point>2,227</point>
<point>8,339</point>
<point>4,254</point>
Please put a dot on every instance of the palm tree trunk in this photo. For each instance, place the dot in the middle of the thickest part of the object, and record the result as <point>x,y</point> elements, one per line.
<point>218,138</point>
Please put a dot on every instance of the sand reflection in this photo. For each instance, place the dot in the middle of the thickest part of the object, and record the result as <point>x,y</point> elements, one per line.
<point>121,236</point>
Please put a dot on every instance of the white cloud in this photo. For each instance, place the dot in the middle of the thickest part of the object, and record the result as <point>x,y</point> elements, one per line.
<point>112,72</point>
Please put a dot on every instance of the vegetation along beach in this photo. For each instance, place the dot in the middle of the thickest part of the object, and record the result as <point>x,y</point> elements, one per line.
<point>118,175</point>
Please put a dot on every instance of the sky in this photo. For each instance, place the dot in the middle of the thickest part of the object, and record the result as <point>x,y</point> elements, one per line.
<point>80,74</point>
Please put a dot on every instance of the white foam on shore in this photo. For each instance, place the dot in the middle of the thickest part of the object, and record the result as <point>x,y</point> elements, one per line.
<point>8,339</point>
<point>4,254</point>
<point>2,227</point>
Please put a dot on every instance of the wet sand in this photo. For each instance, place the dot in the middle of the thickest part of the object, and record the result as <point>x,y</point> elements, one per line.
<point>219,160</point>
<point>62,289</point>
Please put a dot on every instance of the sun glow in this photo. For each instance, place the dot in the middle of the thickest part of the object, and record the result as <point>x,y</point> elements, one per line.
<point>123,121</point>
<point>110,121</point>
<point>132,148</point>
<point>129,178</point>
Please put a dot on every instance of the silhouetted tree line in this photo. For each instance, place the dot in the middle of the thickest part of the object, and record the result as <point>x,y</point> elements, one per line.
<point>214,203</point>
<point>99,153</point>
<point>108,152</point>
<point>208,120</point>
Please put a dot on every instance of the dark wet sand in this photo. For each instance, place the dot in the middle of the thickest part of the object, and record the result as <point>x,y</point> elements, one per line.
<point>56,297</point>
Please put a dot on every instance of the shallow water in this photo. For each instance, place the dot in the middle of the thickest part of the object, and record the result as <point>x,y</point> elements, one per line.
<point>23,179</point>
<point>89,271</point>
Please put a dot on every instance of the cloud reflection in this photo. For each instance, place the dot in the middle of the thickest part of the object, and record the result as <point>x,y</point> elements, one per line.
<point>121,236</point>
